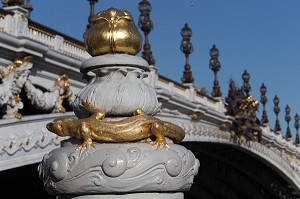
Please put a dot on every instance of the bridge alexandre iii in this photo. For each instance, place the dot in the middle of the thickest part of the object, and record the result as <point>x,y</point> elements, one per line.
<point>43,74</point>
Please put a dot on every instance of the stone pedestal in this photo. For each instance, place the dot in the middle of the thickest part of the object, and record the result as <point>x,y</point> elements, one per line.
<point>126,168</point>
<point>131,167</point>
<point>129,196</point>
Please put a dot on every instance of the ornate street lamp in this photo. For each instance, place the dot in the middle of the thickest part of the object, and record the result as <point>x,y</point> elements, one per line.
<point>296,125</point>
<point>276,110</point>
<point>108,157</point>
<point>187,48</point>
<point>13,2</point>
<point>264,100</point>
<point>92,13</point>
<point>28,7</point>
<point>288,134</point>
<point>246,85</point>
<point>215,66</point>
<point>146,25</point>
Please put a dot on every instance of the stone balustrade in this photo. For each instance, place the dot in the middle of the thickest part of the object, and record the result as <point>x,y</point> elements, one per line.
<point>18,25</point>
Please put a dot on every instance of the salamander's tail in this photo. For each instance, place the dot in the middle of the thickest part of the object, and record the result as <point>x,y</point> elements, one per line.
<point>172,131</point>
<point>91,108</point>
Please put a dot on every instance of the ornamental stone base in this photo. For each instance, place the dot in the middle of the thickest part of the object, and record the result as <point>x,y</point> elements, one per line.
<point>129,169</point>
<point>117,86</point>
<point>129,196</point>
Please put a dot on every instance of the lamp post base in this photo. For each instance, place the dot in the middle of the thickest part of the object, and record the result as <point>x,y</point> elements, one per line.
<point>177,195</point>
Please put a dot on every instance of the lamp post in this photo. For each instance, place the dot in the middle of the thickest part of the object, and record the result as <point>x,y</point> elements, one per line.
<point>246,85</point>
<point>28,7</point>
<point>187,48</point>
<point>276,110</point>
<point>296,125</point>
<point>264,100</point>
<point>146,25</point>
<point>215,66</point>
<point>288,134</point>
<point>92,12</point>
<point>13,2</point>
<point>115,168</point>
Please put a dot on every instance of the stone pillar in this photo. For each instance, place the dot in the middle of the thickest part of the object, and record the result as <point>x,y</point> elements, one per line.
<point>16,24</point>
<point>126,152</point>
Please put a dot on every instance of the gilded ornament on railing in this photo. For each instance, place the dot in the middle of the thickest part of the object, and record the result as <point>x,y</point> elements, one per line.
<point>292,158</point>
<point>245,125</point>
<point>249,107</point>
<point>113,31</point>
<point>15,76</point>
<point>52,99</point>
<point>134,128</point>
<point>12,80</point>
<point>63,84</point>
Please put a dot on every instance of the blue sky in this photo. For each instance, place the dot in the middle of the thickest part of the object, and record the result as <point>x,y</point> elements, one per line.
<point>262,36</point>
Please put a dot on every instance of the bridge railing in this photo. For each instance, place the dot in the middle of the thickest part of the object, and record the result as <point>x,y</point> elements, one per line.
<point>19,26</point>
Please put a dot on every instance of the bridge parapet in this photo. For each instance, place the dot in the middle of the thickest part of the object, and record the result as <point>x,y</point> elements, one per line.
<point>274,150</point>
<point>15,23</point>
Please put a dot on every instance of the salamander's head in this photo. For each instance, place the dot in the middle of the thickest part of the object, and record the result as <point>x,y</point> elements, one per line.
<point>57,127</point>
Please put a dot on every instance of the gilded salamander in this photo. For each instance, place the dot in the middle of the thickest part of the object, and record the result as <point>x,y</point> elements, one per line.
<point>138,127</point>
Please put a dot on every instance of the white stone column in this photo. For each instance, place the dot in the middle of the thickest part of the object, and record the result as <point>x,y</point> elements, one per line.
<point>18,23</point>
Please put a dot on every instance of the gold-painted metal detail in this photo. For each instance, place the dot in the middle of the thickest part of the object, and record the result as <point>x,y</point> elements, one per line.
<point>244,126</point>
<point>12,69</point>
<point>2,73</point>
<point>18,98</point>
<point>225,126</point>
<point>20,62</point>
<point>135,128</point>
<point>113,31</point>
<point>249,106</point>
<point>291,157</point>
<point>17,114</point>
<point>63,84</point>
<point>196,115</point>
<point>15,64</point>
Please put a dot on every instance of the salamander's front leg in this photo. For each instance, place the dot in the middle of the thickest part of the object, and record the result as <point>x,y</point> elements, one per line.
<point>160,141</point>
<point>139,112</point>
<point>86,133</point>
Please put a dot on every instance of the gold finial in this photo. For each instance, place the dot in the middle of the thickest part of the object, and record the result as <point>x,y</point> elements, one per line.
<point>113,31</point>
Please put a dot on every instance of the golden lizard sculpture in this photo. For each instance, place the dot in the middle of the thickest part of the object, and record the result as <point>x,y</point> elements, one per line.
<point>138,127</point>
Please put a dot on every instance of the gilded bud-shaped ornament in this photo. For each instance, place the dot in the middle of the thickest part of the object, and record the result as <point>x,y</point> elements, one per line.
<point>113,31</point>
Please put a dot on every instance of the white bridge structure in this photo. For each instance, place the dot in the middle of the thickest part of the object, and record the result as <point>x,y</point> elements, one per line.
<point>38,63</point>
